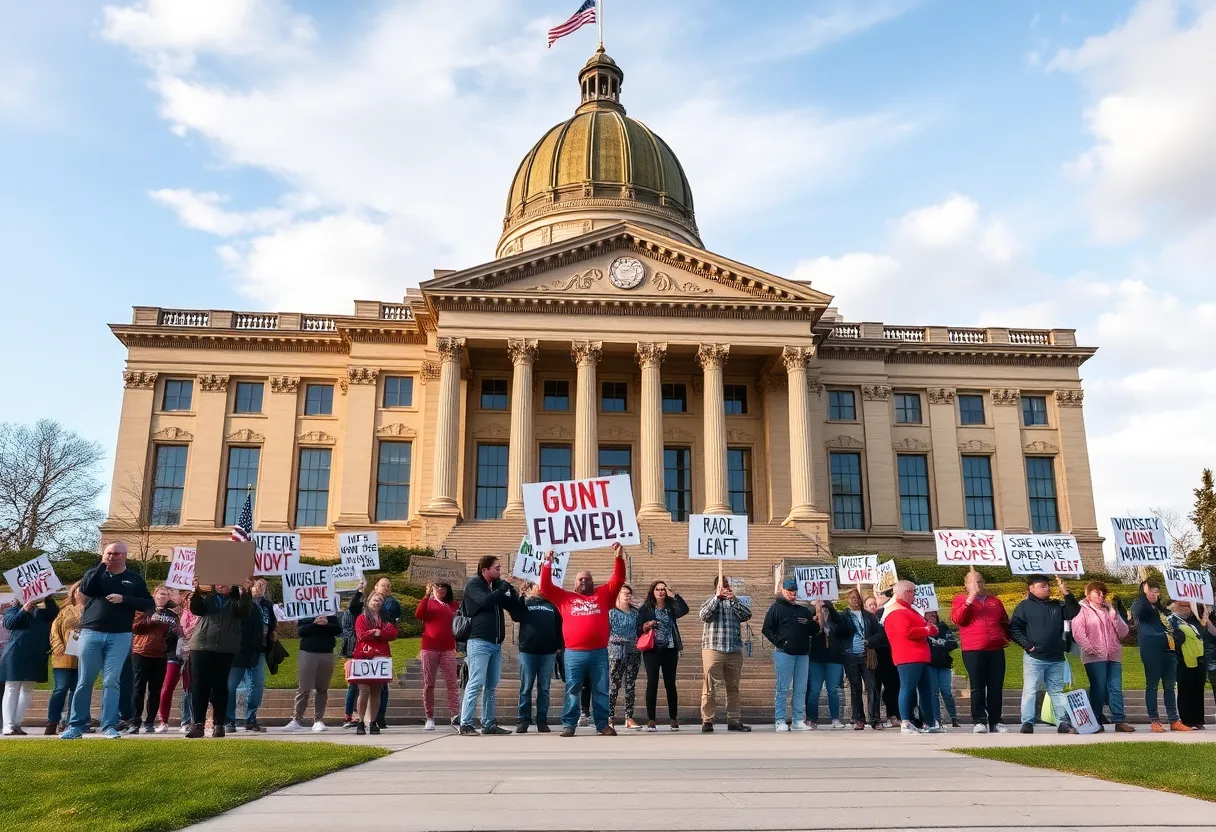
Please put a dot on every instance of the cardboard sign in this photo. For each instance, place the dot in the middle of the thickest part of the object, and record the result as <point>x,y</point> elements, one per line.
<point>361,549</point>
<point>885,578</point>
<point>277,552</point>
<point>857,569</point>
<point>717,537</point>
<point>379,669</point>
<point>346,576</point>
<point>181,568</point>
<point>72,646</point>
<point>528,563</point>
<point>1140,541</point>
<point>33,580</point>
<point>1043,554</point>
<point>223,562</point>
<point>574,515</point>
<point>1080,714</point>
<point>309,592</point>
<point>817,583</point>
<point>1188,584</point>
<point>926,598</point>
<point>427,570</point>
<point>964,547</point>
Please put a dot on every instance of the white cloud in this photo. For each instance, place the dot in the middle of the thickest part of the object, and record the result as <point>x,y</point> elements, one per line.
<point>205,212</point>
<point>821,28</point>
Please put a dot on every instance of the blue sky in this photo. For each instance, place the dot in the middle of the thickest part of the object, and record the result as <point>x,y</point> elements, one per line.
<point>1010,163</point>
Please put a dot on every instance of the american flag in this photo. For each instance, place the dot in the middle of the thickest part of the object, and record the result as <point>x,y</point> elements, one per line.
<point>244,523</point>
<point>584,15</point>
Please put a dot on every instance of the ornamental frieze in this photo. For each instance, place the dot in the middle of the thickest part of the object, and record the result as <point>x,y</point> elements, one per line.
<point>172,434</point>
<point>397,429</point>
<point>362,375</point>
<point>316,437</point>
<point>213,383</point>
<point>431,371</point>
<point>245,436</point>
<point>582,281</point>
<point>138,380</point>
<point>843,441</point>
<point>876,392</point>
<point>1040,447</point>
<point>663,282</point>
<point>1070,398</point>
<point>911,443</point>
<point>1006,398</point>
<point>494,430</point>
<point>284,384</point>
<point>976,446</point>
<point>941,395</point>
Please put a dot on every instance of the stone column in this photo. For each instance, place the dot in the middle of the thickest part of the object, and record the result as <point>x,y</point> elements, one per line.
<point>586,355</point>
<point>796,360</point>
<point>447,427</point>
<point>1075,489</point>
<point>206,452</point>
<point>273,500</point>
<point>650,357</point>
<point>132,464</point>
<point>880,459</point>
<point>358,446</point>
<point>947,466</point>
<point>712,358</point>
<point>519,454</point>
<point>1013,504</point>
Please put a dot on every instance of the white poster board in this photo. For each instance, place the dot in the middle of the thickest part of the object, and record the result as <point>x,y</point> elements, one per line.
<point>1043,554</point>
<point>717,537</point>
<point>926,598</point>
<point>1080,713</point>
<point>885,577</point>
<point>817,583</point>
<point>33,580</point>
<point>361,549</point>
<point>573,515</point>
<point>377,669</point>
<point>529,562</point>
<point>275,553</point>
<point>1188,584</point>
<point>857,569</point>
<point>967,547</point>
<point>72,646</point>
<point>346,576</point>
<point>181,568</point>
<point>1140,541</point>
<point>309,592</point>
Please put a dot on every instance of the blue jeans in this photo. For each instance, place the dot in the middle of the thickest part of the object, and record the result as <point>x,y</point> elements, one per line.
<point>352,696</point>
<point>484,659</point>
<point>254,680</point>
<point>535,669</point>
<point>791,676</point>
<point>102,653</point>
<point>1052,675</point>
<point>942,680</point>
<point>916,681</point>
<point>1106,688</point>
<point>819,674</point>
<point>1160,668</point>
<point>65,684</point>
<point>586,667</point>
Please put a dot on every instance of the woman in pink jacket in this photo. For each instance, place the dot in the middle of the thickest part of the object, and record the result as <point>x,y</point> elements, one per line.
<point>1097,630</point>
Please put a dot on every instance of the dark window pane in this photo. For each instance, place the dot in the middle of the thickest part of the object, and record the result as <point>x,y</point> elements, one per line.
<point>319,400</point>
<point>1034,410</point>
<point>914,492</point>
<point>847,512</point>
<point>491,481</point>
<point>977,492</point>
<point>739,480</point>
<point>1041,485</point>
<point>393,481</point>
<point>494,394</point>
<point>615,397</point>
<point>677,482</point>
<point>735,397</point>
<point>248,397</point>
<point>557,395</point>
<point>971,410</point>
<point>675,398</point>
<point>907,408</point>
<point>312,487</point>
<point>178,394</point>
<point>399,391</point>
<point>168,485</point>
<point>615,461</point>
<point>555,463</point>
<point>842,405</point>
<point>242,480</point>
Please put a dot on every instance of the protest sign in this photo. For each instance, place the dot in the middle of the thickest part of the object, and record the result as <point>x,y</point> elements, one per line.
<point>528,563</point>
<point>360,548</point>
<point>885,577</point>
<point>817,583</point>
<point>926,598</point>
<point>1188,584</point>
<point>33,580</point>
<point>378,669</point>
<point>717,537</point>
<point>574,515</point>
<point>223,562</point>
<point>737,584</point>
<point>72,646</point>
<point>426,570</point>
<point>965,547</point>
<point>181,568</point>
<point>1043,554</point>
<point>309,592</point>
<point>1080,713</point>
<point>277,552</point>
<point>1140,541</point>
<point>280,614</point>
<point>346,576</point>
<point>857,569</point>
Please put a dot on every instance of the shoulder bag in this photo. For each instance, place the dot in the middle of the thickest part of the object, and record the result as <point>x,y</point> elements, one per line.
<point>462,625</point>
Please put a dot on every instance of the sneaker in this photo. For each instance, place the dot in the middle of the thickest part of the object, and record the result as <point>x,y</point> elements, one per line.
<point>195,731</point>
<point>1001,728</point>
<point>800,725</point>
<point>72,734</point>
<point>608,731</point>
<point>51,729</point>
<point>111,734</point>
<point>8,732</point>
<point>185,728</point>
<point>542,728</point>
<point>124,724</point>
<point>381,724</point>
<point>521,727</point>
<point>937,728</point>
<point>1157,728</point>
<point>782,727</point>
<point>859,725</point>
<point>1124,728</point>
<point>161,728</point>
<point>837,725</point>
<point>494,731</point>
<point>954,724</point>
<point>1027,727</point>
<point>650,726</point>
<point>456,722</point>
<point>294,725</point>
<point>738,725</point>
<point>348,723</point>
<point>133,728</point>
<point>675,725</point>
<point>568,731</point>
<point>318,726</point>
<point>219,732</point>
<point>894,722</point>
<point>1066,728</point>
<point>908,728</point>
<point>468,731</point>
<point>230,727</point>
<point>375,727</point>
<point>980,729</point>
<point>360,730</point>
<point>630,724</point>
<point>255,727</point>
<point>584,720</point>
<point>430,725</point>
<point>707,727</point>
<point>1178,726</point>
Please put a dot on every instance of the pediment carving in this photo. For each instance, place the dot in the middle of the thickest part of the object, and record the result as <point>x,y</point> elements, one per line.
<point>843,441</point>
<point>911,443</point>
<point>172,434</point>
<point>554,432</point>
<point>678,435</point>
<point>245,436</point>
<point>1040,447</point>
<point>316,437</point>
<point>618,434</point>
<point>976,446</point>
<point>397,429</point>
<point>735,435</point>
<point>494,430</point>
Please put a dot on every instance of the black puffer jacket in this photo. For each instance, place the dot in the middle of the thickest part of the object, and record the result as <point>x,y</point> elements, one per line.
<point>790,627</point>
<point>1037,625</point>
<point>485,605</point>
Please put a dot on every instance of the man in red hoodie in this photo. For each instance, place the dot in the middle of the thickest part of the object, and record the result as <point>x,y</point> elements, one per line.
<point>909,634</point>
<point>983,632</point>
<point>584,615</point>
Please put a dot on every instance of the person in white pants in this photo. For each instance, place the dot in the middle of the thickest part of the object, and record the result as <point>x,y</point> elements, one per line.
<point>23,662</point>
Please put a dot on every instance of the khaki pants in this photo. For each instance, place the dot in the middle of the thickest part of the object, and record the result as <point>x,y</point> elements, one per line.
<point>315,672</point>
<point>721,669</point>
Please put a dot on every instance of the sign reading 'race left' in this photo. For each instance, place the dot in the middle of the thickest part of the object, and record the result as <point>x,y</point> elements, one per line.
<point>33,580</point>
<point>362,549</point>
<point>717,537</point>
<point>309,592</point>
<point>275,553</point>
<point>574,515</point>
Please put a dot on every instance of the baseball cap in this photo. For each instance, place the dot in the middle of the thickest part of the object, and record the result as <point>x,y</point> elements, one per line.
<point>790,584</point>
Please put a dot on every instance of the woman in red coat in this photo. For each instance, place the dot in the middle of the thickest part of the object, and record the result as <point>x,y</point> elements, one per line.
<point>983,632</point>
<point>909,634</point>
<point>372,637</point>
<point>438,654</point>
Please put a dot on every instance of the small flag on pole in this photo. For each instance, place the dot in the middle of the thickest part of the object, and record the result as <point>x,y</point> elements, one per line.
<point>244,523</point>
<point>584,15</point>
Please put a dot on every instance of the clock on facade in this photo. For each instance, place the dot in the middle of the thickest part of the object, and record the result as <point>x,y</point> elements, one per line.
<point>626,272</point>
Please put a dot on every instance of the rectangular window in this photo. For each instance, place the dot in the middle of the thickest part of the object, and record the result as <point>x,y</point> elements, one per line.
<point>735,396</point>
<point>555,463</point>
<point>675,398</point>
<point>677,482</point>
<point>739,480</point>
<point>907,408</point>
<point>393,481</point>
<point>842,406</point>
<point>319,400</point>
<point>977,492</point>
<point>248,397</point>
<point>847,513</point>
<point>242,480</point>
<point>494,394</point>
<point>1041,485</point>
<point>615,461</point>
<point>971,409</point>
<point>168,485</point>
<point>312,487</point>
<point>1034,410</point>
<point>178,394</point>
<point>557,395</point>
<point>491,481</point>
<point>914,492</point>
<point>398,391</point>
<point>615,396</point>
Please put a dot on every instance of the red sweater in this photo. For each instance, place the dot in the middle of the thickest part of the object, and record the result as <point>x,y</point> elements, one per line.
<point>436,618</point>
<point>367,645</point>
<point>982,625</point>
<point>584,617</point>
<point>908,633</point>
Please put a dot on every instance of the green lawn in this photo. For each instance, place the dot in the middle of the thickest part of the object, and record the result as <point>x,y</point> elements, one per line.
<point>1133,668</point>
<point>59,792</point>
<point>1165,766</point>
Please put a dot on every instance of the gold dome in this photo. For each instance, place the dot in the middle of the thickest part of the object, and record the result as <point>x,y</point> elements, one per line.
<point>599,165</point>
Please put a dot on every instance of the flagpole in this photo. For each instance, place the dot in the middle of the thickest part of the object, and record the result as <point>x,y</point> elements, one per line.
<point>599,15</point>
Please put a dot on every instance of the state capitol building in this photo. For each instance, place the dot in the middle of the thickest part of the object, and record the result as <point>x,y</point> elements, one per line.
<point>604,338</point>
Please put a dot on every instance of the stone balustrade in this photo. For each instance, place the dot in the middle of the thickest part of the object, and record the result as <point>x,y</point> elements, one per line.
<point>953,335</point>
<point>268,321</point>
<point>255,320</point>
<point>396,312</point>
<point>184,317</point>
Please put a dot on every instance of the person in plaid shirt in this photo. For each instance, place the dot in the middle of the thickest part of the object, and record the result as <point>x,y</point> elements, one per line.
<point>722,655</point>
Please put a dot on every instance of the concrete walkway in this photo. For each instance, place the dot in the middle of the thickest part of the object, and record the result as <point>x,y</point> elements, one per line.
<point>687,781</point>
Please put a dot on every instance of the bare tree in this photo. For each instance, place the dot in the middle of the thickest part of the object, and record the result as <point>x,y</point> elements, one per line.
<point>48,487</point>
<point>1183,535</point>
<point>134,520</point>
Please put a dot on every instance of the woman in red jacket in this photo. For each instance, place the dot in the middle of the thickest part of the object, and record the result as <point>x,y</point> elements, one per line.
<point>435,611</point>
<point>372,637</point>
<point>983,632</point>
<point>909,634</point>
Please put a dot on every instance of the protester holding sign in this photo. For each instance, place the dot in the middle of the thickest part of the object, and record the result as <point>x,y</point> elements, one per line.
<point>318,638</point>
<point>722,654</point>
<point>983,631</point>
<point>23,662</point>
<point>941,664</point>
<point>1157,636</point>
<point>248,665</point>
<point>149,652</point>
<point>64,633</point>
<point>221,612</point>
<point>438,654</point>
<point>1037,626</point>
<point>540,637</point>
<point>1097,630</point>
<point>858,638</point>
<point>374,635</point>
<point>826,666</point>
<point>789,627</point>
<point>1191,668</point>
<point>486,596</point>
<point>391,613</point>
<point>660,612</point>
<point>909,636</point>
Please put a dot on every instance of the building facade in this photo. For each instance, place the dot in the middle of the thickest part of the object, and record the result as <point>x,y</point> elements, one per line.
<point>605,338</point>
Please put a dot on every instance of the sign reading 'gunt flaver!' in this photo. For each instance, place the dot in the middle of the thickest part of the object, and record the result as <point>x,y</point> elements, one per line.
<point>574,515</point>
